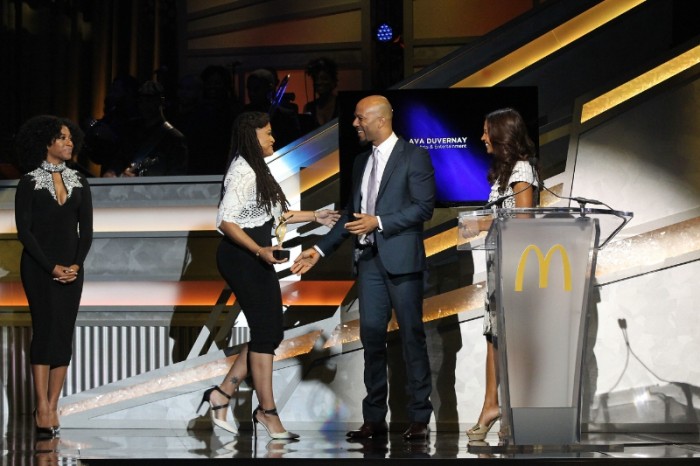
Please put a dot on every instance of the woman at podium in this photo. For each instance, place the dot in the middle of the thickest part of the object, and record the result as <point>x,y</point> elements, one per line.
<point>513,176</point>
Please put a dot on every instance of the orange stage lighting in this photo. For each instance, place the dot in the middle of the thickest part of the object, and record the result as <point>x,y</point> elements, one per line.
<point>186,293</point>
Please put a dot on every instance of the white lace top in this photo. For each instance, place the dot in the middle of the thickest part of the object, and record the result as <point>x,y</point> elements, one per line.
<point>522,171</point>
<point>239,204</point>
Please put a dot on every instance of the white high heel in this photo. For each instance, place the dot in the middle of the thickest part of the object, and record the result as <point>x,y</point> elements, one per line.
<point>274,435</point>
<point>212,410</point>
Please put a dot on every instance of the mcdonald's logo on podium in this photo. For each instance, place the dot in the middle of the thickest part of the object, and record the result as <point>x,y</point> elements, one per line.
<point>543,261</point>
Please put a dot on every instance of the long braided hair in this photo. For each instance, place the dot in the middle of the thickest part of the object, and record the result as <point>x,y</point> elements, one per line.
<point>510,141</point>
<point>245,144</point>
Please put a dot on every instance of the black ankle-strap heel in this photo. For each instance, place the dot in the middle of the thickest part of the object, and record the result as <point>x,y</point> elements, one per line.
<point>274,435</point>
<point>206,398</point>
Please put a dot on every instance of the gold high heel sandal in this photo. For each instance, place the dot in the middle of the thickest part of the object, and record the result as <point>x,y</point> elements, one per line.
<point>212,410</point>
<point>274,435</point>
<point>479,431</point>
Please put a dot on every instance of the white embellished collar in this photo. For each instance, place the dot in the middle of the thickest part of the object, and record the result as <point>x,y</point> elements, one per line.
<point>51,168</point>
<point>43,179</point>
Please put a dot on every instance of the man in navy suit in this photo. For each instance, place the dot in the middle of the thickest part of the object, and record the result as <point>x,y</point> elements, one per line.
<point>393,194</point>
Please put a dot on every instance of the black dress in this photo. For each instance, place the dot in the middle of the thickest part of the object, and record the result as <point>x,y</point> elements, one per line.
<point>52,234</point>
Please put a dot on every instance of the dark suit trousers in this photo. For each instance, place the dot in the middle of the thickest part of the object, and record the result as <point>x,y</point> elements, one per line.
<point>378,293</point>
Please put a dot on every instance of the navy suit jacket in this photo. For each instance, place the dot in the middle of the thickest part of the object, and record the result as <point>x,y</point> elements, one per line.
<point>405,200</point>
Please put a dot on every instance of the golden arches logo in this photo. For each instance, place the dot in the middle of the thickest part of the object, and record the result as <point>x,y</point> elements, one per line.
<point>543,262</point>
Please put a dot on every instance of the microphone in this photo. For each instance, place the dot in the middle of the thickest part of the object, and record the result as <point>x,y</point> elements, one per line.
<point>584,201</point>
<point>497,202</point>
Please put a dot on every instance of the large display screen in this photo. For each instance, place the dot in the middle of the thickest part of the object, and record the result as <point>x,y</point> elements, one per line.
<point>449,124</point>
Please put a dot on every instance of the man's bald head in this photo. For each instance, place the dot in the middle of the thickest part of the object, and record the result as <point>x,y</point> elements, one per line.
<point>373,119</point>
<point>381,105</point>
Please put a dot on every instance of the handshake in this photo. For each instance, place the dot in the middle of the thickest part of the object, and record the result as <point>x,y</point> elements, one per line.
<point>363,224</point>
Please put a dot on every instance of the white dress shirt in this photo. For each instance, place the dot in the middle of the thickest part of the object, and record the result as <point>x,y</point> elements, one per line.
<point>382,152</point>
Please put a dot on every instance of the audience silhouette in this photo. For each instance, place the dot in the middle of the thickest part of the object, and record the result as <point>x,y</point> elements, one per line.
<point>155,147</point>
<point>260,85</point>
<point>207,140</point>
<point>140,134</point>
<point>104,137</point>
<point>324,74</point>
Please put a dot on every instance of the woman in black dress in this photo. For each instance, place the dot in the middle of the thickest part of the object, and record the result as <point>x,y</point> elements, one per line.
<point>252,202</point>
<point>53,213</point>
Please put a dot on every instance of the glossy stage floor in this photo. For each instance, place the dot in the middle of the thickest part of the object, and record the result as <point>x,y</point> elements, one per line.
<point>201,447</point>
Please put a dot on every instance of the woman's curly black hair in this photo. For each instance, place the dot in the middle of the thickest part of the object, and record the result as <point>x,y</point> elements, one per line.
<point>37,134</point>
<point>244,143</point>
<point>510,142</point>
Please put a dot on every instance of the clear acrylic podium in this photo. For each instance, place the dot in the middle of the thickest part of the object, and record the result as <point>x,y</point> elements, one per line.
<point>540,262</point>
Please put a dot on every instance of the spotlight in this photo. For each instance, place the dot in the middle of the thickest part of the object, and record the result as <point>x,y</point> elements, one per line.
<point>384,33</point>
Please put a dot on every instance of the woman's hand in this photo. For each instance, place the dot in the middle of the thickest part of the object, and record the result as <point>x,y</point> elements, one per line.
<point>265,255</point>
<point>468,228</point>
<point>471,227</point>
<point>65,274</point>
<point>327,217</point>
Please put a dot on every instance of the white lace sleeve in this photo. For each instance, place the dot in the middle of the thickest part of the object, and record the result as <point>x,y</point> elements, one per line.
<point>239,203</point>
<point>522,172</point>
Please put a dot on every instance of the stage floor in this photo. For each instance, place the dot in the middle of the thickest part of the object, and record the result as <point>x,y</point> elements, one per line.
<point>166,446</point>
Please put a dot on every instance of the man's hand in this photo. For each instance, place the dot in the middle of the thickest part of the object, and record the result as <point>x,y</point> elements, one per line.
<point>305,261</point>
<point>364,225</point>
<point>129,171</point>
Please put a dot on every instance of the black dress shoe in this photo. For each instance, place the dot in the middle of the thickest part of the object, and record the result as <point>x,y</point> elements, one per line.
<point>417,431</point>
<point>369,430</point>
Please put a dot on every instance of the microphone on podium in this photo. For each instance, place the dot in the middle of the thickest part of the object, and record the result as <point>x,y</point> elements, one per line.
<point>498,202</point>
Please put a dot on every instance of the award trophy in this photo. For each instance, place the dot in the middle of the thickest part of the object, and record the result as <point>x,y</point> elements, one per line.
<point>280,231</point>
